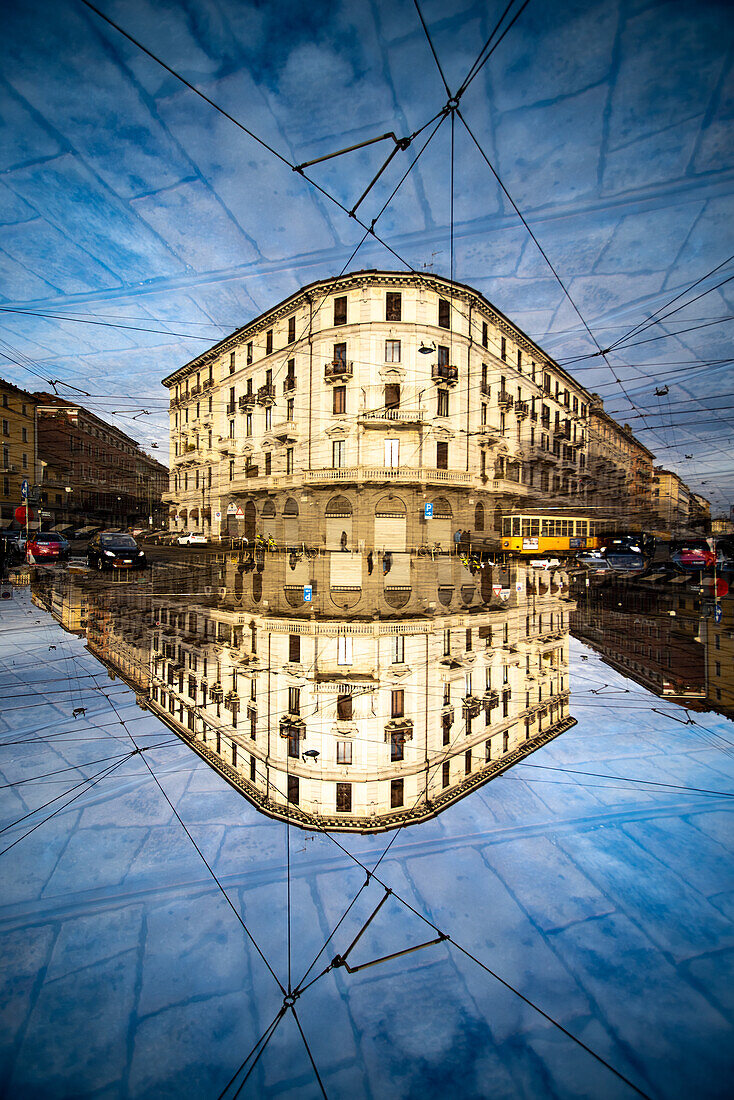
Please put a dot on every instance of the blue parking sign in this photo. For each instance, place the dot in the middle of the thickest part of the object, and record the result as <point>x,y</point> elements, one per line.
<point>428,511</point>
<point>24,488</point>
<point>307,593</point>
<point>718,612</point>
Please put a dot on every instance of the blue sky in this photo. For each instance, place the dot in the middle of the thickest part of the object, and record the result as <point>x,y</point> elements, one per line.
<point>126,199</point>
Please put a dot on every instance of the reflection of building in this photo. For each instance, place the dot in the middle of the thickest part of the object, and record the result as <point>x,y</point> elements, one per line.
<point>66,599</point>
<point>720,656</point>
<point>647,627</point>
<point>699,514</point>
<point>670,500</point>
<point>91,471</point>
<point>374,704</point>
<point>399,389</point>
<point>620,467</point>
<point>18,442</point>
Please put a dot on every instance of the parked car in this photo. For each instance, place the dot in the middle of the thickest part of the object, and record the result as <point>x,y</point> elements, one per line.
<point>47,546</point>
<point>192,538</point>
<point>691,553</point>
<point>114,550</point>
<point>15,542</point>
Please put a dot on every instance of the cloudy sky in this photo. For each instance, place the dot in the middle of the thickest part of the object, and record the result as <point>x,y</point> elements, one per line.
<point>127,200</point>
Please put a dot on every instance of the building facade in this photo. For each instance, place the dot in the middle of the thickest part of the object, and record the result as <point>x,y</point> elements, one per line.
<point>368,384</point>
<point>19,452</point>
<point>621,469</point>
<point>91,472</point>
<point>671,500</point>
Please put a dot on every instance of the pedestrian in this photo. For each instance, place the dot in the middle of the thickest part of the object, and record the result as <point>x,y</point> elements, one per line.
<point>457,540</point>
<point>386,563</point>
<point>370,563</point>
<point>343,540</point>
<point>2,557</point>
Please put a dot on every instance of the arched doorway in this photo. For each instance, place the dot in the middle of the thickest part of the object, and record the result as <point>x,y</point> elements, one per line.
<point>479,517</point>
<point>290,522</point>
<point>338,522</point>
<point>391,524</point>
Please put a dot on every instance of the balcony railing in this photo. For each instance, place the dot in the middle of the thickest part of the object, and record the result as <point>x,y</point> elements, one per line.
<point>443,372</point>
<point>505,399</point>
<point>246,402</point>
<point>209,384</point>
<point>521,409</point>
<point>401,416</point>
<point>266,394</point>
<point>194,391</point>
<point>289,383</point>
<point>230,408</point>
<point>252,471</point>
<point>484,388</point>
<point>339,370</point>
<point>285,430</point>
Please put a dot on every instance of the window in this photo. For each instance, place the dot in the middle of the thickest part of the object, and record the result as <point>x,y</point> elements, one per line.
<point>339,400</point>
<point>392,453</point>
<point>291,329</point>
<point>290,409</point>
<point>393,306</point>
<point>446,647</point>
<point>231,469</point>
<point>519,361</point>
<point>442,407</point>
<point>6,431</point>
<point>231,429</point>
<point>337,453</point>
<point>268,462</point>
<point>253,772</point>
<point>340,310</point>
<point>717,666</point>
<point>344,752</point>
<point>467,762</point>
<point>468,638</point>
<point>231,362</point>
<point>392,351</point>
<point>398,649</point>
<point>485,334</point>
<point>396,793</point>
<point>24,435</point>
<point>340,353</point>
<point>717,641</point>
<point>445,773</point>
<point>268,417</point>
<point>344,792</point>
<point>268,341</point>
<point>444,313</point>
<point>289,460</point>
<point>397,703</point>
<point>293,794</point>
<point>392,395</point>
<point>294,648</point>
<point>442,456</point>
<point>25,461</point>
<point>443,355</point>
<point>344,708</point>
<point>483,413</point>
<point>248,424</point>
<point>505,742</point>
<point>488,750</point>
<point>294,743</point>
<point>503,349</point>
<point>344,649</point>
<point>249,352</point>
<point>397,746</point>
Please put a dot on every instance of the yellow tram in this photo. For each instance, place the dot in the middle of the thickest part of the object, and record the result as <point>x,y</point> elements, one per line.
<point>551,535</point>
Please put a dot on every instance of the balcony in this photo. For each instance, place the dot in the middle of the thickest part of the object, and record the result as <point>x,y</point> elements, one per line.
<point>230,408</point>
<point>252,471</point>
<point>286,431</point>
<point>209,384</point>
<point>534,415</point>
<point>443,373</point>
<point>266,394</point>
<point>225,445</point>
<point>194,391</point>
<point>491,698</point>
<point>562,431</point>
<point>471,706</point>
<point>378,418</point>
<point>521,409</point>
<point>505,399</point>
<point>340,370</point>
<point>291,725</point>
<point>484,389</point>
<point>386,474</point>
<point>487,433</point>
<point>403,727</point>
<point>289,383</point>
<point>174,403</point>
<point>246,402</point>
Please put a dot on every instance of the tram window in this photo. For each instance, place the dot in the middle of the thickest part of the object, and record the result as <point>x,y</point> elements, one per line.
<point>582,527</point>
<point>534,526</point>
<point>506,526</point>
<point>525,526</point>
<point>516,525</point>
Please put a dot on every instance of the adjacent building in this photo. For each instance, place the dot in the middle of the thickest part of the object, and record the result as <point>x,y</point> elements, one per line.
<point>621,469</point>
<point>671,500</point>
<point>92,472</point>
<point>18,441</point>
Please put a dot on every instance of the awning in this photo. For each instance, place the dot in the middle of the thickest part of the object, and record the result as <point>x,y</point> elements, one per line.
<point>86,530</point>
<point>62,527</point>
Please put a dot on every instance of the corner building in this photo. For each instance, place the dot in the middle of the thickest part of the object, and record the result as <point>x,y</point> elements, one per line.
<point>358,400</point>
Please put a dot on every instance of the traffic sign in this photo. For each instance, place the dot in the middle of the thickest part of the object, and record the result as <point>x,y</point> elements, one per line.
<point>307,593</point>
<point>718,613</point>
<point>24,489</point>
<point>428,511</point>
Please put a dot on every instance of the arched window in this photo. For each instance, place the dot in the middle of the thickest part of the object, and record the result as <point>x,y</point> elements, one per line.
<point>479,517</point>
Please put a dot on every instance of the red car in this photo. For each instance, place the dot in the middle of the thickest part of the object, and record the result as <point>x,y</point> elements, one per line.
<point>692,553</point>
<point>46,546</point>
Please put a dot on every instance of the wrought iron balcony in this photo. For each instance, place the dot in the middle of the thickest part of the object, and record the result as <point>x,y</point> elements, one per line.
<point>246,402</point>
<point>289,383</point>
<point>230,408</point>
<point>484,388</point>
<point>339,370</point>
<point>209,384</point>
<point>505,399</point>
<point>471,706</point>
<point>443,372</point>
<point>521,409</point>
<point>401,726</point>
<point>266,394</point>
